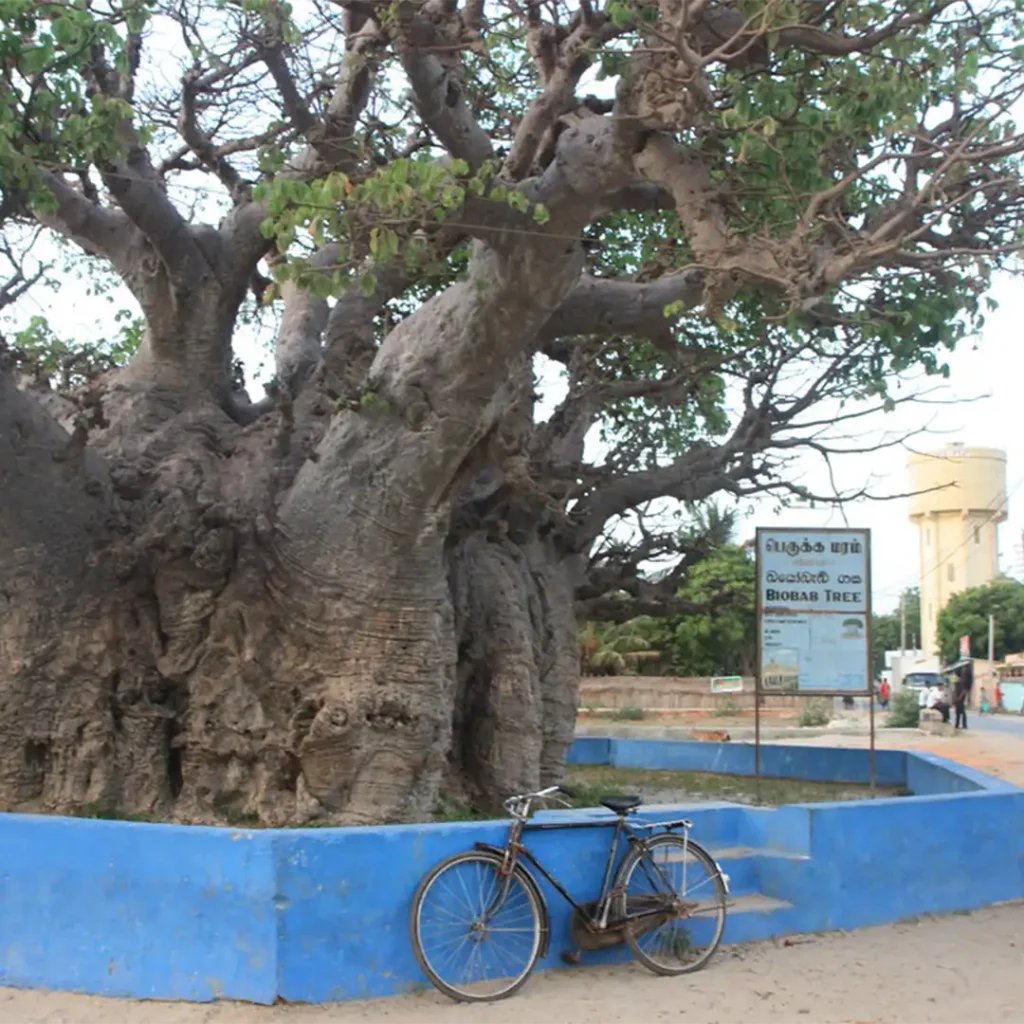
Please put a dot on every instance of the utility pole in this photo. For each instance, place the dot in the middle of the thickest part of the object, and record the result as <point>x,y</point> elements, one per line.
<point>991,650</point>
<point>903,623</point>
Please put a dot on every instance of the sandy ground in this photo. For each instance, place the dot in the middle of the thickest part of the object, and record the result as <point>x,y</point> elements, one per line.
<point>994,745</point>
<point>909,973</point>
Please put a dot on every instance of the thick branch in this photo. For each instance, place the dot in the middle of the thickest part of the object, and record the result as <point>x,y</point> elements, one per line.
<point>332,143</point>
<point>201,144</point>
<point>297,347</point>
<point>350,339</point>
<point>441,102</point>
<point>100,231</point>
<point>703,471</point>
<point>561,66</point>
<point>607,306</point>
<point>687,178</point>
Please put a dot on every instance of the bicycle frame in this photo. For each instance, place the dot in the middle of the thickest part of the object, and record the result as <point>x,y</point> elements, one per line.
<point>514,851</point>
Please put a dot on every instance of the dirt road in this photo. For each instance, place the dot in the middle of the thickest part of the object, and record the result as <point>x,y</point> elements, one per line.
<point>891,974</point>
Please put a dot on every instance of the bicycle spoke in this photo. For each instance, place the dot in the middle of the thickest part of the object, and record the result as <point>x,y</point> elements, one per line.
<point>478,933</point>
<point>686,883</point>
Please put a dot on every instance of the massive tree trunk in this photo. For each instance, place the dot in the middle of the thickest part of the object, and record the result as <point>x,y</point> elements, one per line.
<point>257,623</point>
<point>328,605</point>
<point>175,645</point>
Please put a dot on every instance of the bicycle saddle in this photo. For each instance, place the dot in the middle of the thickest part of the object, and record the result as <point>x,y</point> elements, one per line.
<point>621,804</point>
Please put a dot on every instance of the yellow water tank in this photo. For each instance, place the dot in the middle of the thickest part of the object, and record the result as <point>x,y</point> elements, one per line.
<point>958,502</point>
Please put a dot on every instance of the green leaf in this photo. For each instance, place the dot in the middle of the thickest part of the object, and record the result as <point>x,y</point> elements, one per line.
<point>368,283</point>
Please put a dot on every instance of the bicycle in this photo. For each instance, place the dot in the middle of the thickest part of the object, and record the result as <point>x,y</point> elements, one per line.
<point>500,899</point>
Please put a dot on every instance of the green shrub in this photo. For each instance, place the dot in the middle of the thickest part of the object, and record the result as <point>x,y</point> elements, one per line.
<point>628,714</point>
<point>817,712</point>
<point>904,711</point>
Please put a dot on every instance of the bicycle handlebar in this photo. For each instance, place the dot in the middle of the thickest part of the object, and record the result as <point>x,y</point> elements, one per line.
<point>519,806</point>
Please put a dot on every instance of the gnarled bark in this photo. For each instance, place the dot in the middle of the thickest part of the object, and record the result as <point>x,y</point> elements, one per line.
<point>195,659</point>
<point>269,634</point>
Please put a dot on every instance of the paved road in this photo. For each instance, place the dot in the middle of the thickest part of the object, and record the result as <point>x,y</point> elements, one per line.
<point>909,973</point>
<point>1013,724</point>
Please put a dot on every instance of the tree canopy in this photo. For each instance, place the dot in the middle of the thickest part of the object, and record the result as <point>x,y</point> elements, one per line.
<point>806,199</point>
<point>716,635</point>
<point>723,640</point>
<point>886,629</point>
<point>967,614</point>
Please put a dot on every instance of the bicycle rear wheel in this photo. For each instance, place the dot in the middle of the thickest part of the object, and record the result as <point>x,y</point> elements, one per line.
<point>473,945</point>
<point>673,896</point>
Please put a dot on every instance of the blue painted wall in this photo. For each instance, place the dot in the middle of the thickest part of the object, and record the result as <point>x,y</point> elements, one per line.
<point>322,914</point>
<point>344,894</point>
<point>903,857</point>
<point>822,764</point>
<point>118,908</point>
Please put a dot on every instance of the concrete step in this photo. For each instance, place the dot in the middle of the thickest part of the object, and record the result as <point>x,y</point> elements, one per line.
<point>750,868</point>
<point>749,917</point>
<point>755,916</point>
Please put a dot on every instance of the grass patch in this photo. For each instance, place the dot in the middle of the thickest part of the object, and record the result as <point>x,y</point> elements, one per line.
<point>97,811</point>
<point>727,709</point>
<point>904,711</point>
<point>817,713</point>
<point>631,713</point>
<point>449,809</point>
<point>591,782</point>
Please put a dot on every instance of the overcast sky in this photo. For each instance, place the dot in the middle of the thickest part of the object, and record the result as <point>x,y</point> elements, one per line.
<point>986,378</point>
<point>987,370</point>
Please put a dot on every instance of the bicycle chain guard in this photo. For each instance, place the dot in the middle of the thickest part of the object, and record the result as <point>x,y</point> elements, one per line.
<point>587,939</point>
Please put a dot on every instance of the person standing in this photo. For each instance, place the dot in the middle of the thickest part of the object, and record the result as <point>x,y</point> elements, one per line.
<point>960,690</point>
<point>883,694</point>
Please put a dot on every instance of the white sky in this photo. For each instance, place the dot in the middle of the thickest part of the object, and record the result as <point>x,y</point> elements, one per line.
<point>987,371</point>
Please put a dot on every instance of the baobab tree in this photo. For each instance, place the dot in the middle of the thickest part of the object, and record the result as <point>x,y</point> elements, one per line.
<point>342,597</point>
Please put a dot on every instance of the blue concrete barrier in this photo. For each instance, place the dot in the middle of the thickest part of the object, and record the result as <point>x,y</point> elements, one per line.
<point>820,764</point>
<point>314,915</point>
<point>119,908</point>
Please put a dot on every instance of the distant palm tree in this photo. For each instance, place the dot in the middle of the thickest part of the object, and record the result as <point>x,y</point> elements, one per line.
<point>712,526</point>
<point>612,649</point>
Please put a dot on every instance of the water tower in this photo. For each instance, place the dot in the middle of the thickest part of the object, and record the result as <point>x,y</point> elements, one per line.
<point>958,503</point>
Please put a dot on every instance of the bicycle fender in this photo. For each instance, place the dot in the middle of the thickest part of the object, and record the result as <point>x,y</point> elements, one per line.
<point>530,882</point>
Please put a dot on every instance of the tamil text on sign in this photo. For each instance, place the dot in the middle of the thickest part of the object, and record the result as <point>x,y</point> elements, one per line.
<point>814,607</point>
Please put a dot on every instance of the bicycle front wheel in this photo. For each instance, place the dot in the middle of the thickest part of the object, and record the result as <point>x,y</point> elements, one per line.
<point>477,935</point>
<point>672,896</point>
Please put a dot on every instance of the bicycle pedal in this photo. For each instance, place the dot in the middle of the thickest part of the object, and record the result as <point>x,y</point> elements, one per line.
<point>571,957</point>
